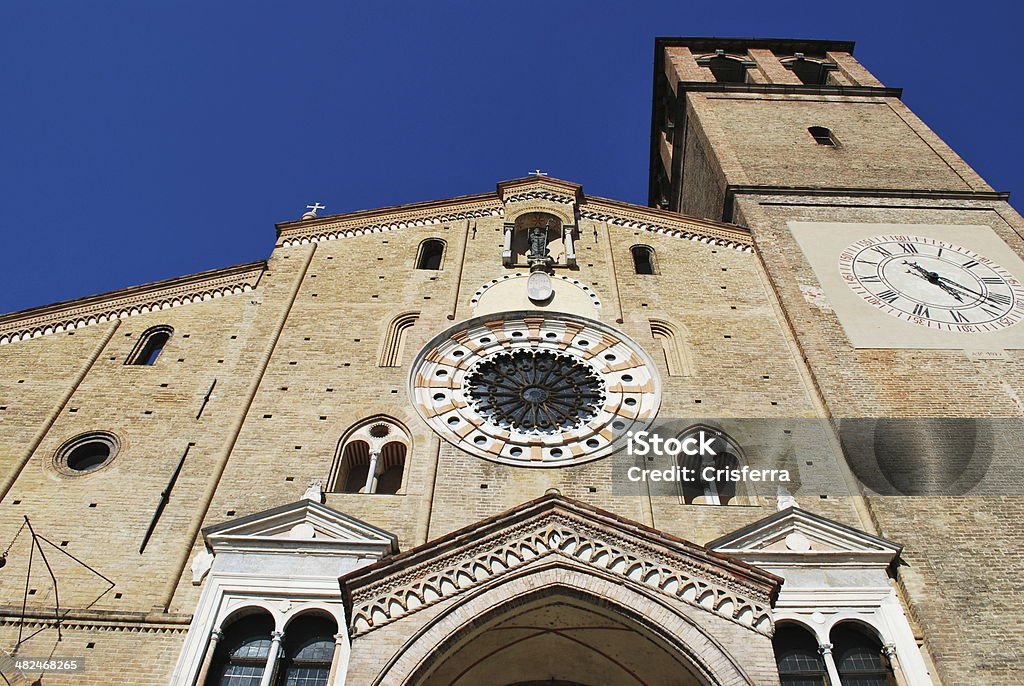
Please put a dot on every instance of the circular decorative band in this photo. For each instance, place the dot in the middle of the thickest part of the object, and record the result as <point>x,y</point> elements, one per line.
<point>536,389</point>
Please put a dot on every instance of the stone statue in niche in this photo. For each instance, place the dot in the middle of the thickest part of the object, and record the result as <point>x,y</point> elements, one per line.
<point>540,256</point>
<point>539,242</point>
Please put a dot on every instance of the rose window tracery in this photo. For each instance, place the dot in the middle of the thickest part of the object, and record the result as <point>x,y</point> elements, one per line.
<point>536,389</point>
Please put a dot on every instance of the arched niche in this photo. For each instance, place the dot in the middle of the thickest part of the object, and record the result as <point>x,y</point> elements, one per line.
<point>558,226</point>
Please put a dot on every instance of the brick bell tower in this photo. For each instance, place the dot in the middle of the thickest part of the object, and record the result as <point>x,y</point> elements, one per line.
<point>899,272</point>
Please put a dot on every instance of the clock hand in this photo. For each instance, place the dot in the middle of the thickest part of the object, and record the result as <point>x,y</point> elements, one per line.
<point>964,289</point>
<point>927,276</point>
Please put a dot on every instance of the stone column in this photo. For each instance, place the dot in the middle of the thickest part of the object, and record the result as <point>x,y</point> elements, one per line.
<point>570,248</point>
<point>889,650</point>
<point>830,664</point>
<point>371,473</point>
<point>339,662</point>
<point>275,652</point>
<point>211,648</point>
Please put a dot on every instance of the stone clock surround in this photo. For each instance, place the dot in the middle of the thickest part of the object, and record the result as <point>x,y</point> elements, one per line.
<point>867,326</point>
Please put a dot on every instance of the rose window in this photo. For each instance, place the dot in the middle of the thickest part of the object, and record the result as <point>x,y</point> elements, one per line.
<point>535,390</point>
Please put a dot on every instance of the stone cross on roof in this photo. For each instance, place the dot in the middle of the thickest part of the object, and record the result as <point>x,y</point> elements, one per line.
<point>311,210</point>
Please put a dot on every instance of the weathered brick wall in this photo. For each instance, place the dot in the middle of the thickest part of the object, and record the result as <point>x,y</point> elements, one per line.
<point>954,547</point>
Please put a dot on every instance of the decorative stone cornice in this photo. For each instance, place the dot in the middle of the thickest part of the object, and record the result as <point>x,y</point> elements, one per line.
<point>553,526</point>
<point>388,219</point>
<point>533,191</point>
<point>127,302</point>
<point>96,620</point>
<point>667,223</point>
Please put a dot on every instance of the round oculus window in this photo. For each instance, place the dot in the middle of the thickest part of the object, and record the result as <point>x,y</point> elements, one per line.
<point>87,452</point>
<point>535,389</point>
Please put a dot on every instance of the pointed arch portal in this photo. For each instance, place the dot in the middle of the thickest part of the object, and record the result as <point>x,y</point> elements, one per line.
<point>561,638</point>
<point>554,592</point>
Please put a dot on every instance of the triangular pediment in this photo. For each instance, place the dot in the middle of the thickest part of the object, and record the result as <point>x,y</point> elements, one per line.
<point>556,530</point>
<point>305,525</point>
<point>794,535</point>
<point>540,187</point>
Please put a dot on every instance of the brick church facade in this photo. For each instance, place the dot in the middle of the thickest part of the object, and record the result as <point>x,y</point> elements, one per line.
<point>395,451</point>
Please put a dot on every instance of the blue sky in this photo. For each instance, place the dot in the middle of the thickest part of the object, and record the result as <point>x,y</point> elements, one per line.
<point>147,140</point>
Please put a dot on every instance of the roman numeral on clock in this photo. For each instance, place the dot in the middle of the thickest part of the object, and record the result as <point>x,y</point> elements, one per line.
<point>870,279</point>
<point>881,251</point>
<point>958,317</point>
<point>921,311</point>
<point>909,248</point>
<point>992,280</point>
<point>971,264</point>
<point>889,296</point>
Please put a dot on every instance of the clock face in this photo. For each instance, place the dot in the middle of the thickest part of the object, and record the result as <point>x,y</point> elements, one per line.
<point>933,283</point>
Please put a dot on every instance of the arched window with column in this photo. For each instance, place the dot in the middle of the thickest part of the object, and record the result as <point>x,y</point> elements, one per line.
<point>859,657</point>
<point>355,464</point>
<point>797,656</point>
<point>371,458</point>
<point>151,344</point>
<point>241,655</point>
<point>308,651</point>
<point>431,254</point>
<point>709,485</point>
<point>392,459</point>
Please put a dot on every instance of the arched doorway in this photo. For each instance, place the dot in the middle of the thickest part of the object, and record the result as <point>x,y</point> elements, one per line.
<point>559,639</point>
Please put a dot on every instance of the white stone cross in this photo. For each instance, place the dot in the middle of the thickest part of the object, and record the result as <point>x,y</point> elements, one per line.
<point>316,206</point>
<point>537,172</point>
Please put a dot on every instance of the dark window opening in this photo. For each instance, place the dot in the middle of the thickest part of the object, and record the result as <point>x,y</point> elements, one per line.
<point>88,456</point>
<point>727,69</point>
<point>150,346</point>
<point>242,654</point>
<point>355,466</point>
<point>809,72</point>
<point>393,466</point>
<point>431,253</point>
<point>797,657</point>
<point>308,652</point>
<point>643,259</point>
<point>822,136</point>
<point>859,657</point>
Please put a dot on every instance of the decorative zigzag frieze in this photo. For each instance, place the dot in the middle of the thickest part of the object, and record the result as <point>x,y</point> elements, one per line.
<point>674,576</point>
<point>389,222</point>
<point>541,195</point>
<point>703,234</point>
<point>53,319</point>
